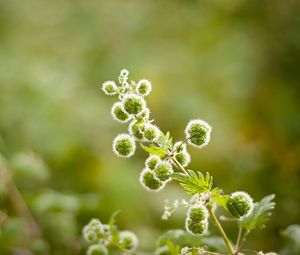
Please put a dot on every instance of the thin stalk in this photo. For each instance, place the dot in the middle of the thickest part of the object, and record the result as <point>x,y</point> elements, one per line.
<point>179,165</point>
<point>19,204</point>
<point>239,240</point>
<point>221,230</point>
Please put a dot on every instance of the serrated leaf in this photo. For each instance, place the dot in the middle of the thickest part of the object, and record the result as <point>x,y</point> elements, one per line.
<point>259,215</point>
<point>152,149</point>
<point>193,182</point>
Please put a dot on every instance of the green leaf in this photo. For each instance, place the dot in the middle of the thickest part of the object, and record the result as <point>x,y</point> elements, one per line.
<point>259,215</point>
<point>152,149</point>
<point>165,141</point>
<point>193,182</point>
<point>220,199</point>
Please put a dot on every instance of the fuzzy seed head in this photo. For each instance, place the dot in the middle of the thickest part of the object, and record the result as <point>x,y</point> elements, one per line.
<point>197,220</point>
<point>124,145</point>
<point>151,132</point>
<point>149,181</point>
<point>118,112</point>
<point>136,129</point>
<point>93,231</point>
<point>109,88</point>
<point>128,240</point>
<point>134,104</point>
<point>152,161</point>
<point>183,158</point>
<point>97,249</point>
<point>143,87</point>
<point>239,204</point>
<point>198,132</point>
<point>163,170</point>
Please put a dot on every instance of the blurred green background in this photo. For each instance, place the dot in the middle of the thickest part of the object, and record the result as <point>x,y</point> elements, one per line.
<point>233,63</point>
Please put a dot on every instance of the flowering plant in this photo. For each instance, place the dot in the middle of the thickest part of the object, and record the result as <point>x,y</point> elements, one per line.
<point>168,162</point>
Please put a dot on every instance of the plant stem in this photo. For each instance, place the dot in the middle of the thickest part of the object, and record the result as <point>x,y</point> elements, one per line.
<point>19,204</point>
<point>179,165</point>
<point>221,230</point>
<point>239,240</point>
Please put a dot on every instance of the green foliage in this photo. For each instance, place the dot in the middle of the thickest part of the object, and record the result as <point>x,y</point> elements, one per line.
<point>291,237</point>
<point>194,183</point>
<point>165,141</point>
<point>259,215</point>
<point>154,150</point>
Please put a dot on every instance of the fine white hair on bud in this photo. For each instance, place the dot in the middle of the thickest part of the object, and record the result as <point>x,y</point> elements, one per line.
<point>198,133</point>
<point>183,158</point>
<point>143,87</point>
<point>151,132</point>
<point>118,113</point>
<point>197,220</point>
<point>134,104</point>
<point>136,129</point>
<point>124,145</point>
<point>124,72</point>
<point>109,88</point>
<point>163,171</point>
<point>152,161</point>
<point>145,115</point>
<point>150,182</point>
<point>97,249</point>
<point>93,231</point>
<point>128,240</point>
<point>179,146</point>
<point>240,204</point>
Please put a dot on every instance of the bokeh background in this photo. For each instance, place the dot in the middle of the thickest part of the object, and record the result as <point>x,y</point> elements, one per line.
<point>233,63</point>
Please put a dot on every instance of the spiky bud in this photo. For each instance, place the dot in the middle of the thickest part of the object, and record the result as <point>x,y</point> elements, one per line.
<point>179,147</point>
<point>128,240</point>
<point>109,88</point>
<point>163,170</point>
<point>133,104</point>
<point>151,132</point>
<point>93,231</point>
<point>118,112</point>
<point>239,204</point>
<point>198,133</point>
<point>124,145</point>
<point>183,158</point>
<point>197,220</point>
<point>97,249</point>
<point>136,129</point>
<point>152,161</point>
<point>149,180</point>
<point>145,114</point>
<point>143,87</point>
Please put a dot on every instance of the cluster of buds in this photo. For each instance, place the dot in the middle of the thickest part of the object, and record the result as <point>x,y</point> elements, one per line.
<point>100,236</point>
<point>240,204</point>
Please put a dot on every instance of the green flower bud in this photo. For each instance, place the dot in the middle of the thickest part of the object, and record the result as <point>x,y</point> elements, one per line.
<point>145,114</point>
<point>109,88</point>
<point>152,161</point>
<point>163,170</point>
<point>198,132</point>
<point>124,146</point>
<point>97,249</point>
<point>179,147</point>
<point>123,77</point>
<point>143,87</point>
<point>164,250</point>
<point>118,112</point>
<point>239,204</point>
<point>134,104</point>
<point>197,220</point>
<point>93,231</point>
<point>151,132</point>
<point>183,158</point>
<point>149,181</point>
<point>128,240</point>
<point>136,129</point>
